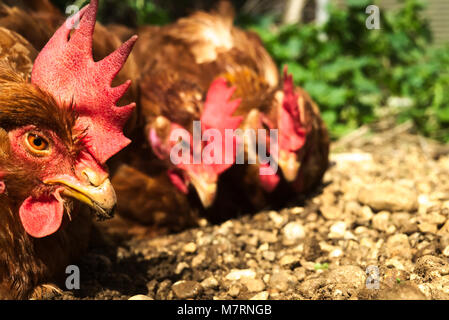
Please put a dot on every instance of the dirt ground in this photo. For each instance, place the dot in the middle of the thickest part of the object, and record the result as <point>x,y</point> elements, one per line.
<point>378,229</point>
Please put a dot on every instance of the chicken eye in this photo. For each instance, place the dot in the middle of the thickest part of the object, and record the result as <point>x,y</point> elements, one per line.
<point>36,143</point>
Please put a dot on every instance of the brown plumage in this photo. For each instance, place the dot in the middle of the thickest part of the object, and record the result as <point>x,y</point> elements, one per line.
<point>180,62</point>
<point>32,25</point>
<point>17,51</point>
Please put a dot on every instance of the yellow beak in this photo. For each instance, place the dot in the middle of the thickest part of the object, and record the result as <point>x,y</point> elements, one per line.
<point>205,190</point>
<point>99,195</point>
<point>289,165</point>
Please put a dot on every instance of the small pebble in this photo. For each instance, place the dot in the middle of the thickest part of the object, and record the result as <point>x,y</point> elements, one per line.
<point>239,274</point>
<point>180,267</point>
<point>254,285</point>
<point>297,210</point>
<point>426,227</point>
<point>190,247</point>
<point>300,273</point>
<point>289,261</point>
<point>210,283</point>
<point>277,219</point>
<point>269,255</point>
<point>198,260</point>
<point>294,231</point>
<point>234,291</point>
<point>337,230</point>
<point>282,281</point>
<point>140,297</point>
<point>187,289</point>
<point>446,251</point>
<point>336,253</point>
<point>261,296</point>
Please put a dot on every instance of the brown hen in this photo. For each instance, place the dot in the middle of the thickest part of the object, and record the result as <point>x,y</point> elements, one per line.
<point>52,153</point>
<point>183,65</point>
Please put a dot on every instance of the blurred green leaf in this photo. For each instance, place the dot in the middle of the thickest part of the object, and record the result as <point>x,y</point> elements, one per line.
<point>350,70</point>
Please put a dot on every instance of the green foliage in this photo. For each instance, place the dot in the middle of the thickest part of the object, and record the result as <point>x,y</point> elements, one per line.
<point>148,12</point>
<point>321,266</point>
<point>128,12</point>
<point>352,71</point>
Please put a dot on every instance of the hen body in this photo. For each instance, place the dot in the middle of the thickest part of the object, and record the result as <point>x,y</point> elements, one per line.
<point>179,63</point>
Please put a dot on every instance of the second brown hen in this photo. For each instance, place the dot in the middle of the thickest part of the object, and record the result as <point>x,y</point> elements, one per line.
<point>182,65</point>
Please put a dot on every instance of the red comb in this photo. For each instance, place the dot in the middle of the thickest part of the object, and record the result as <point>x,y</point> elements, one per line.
<point>291,132</point>
<point>218,109</point>
<point>217,114</point>
<point>66,69</point>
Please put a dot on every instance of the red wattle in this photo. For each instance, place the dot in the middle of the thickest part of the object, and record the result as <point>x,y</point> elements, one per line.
<point>42,217</point>
<point>177,181</point>
<point>270,181</point>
